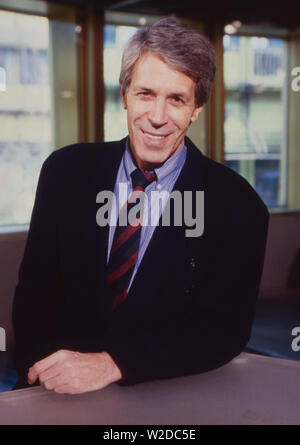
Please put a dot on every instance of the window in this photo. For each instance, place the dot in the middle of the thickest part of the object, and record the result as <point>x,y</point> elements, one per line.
<point>25,112</point>
<point>38,103</point>
<point>115,126</point>
<point>231,43</point>
<point>2,78</point>
<point>34,67</point>
<point>109,35</point>
<point>255,110</point>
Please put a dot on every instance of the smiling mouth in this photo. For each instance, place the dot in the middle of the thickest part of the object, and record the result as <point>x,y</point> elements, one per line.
<point>155,137</point>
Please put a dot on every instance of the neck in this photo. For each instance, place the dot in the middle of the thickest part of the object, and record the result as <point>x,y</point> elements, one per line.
<point>148,165</point>
<point>142,165</point>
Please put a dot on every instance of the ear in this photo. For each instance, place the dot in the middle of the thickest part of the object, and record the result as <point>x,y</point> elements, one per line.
<point>196,113</point>
<point>123,96</point>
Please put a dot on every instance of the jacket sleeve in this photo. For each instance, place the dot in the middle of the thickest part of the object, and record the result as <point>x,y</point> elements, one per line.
<point>36,304</point>
<point>215,325</point>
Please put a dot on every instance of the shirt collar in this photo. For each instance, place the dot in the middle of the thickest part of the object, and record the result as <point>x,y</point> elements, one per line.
<point>172,164</point>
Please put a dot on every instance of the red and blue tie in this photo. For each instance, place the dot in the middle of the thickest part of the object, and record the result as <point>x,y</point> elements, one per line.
<point>125,246</point>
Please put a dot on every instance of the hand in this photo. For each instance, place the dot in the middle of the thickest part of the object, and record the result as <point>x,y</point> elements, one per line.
<point>72,372</point>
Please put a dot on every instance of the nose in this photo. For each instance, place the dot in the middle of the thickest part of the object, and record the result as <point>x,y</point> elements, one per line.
<point>158,113</point>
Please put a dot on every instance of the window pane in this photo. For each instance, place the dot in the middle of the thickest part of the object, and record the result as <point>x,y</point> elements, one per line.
<point>115,38</point>
<point>25,105</point>
<point>38,103</point>
<point>255,128</point>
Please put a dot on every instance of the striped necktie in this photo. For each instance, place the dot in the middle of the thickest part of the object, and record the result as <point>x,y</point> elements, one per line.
<point>125,246</point>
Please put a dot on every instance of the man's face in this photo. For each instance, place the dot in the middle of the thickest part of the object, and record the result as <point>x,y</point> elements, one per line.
<point>160,103</point>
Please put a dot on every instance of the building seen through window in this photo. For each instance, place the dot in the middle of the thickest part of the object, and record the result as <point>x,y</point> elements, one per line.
<point>115,39</point>
<point>255,110</point>
<point>25,118</point>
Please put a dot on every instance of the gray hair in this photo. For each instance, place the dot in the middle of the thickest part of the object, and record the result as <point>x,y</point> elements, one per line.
<point>181,47</point>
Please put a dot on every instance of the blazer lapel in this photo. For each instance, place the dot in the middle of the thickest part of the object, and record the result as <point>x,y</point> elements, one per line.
<point>103,177</point>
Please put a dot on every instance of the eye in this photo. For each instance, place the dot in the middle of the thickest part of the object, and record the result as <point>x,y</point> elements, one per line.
<point>144,93</point>
<point>177,100</point>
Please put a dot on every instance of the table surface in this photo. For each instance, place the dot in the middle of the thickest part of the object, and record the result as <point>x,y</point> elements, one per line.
<point>251,389</point>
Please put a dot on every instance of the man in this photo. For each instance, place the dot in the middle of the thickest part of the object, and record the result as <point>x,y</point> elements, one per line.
<point>84,314</point>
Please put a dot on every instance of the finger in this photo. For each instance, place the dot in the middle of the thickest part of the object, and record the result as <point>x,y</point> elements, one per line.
<point>55,382</point>
<point>49,361</point>
<point>32,376</point>
<point>67,389</point>
<point>50,373</point>
<point>64,389</point>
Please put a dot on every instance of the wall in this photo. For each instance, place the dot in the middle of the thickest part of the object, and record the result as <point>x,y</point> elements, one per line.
<point>11,252</point>
<point>282,257</point>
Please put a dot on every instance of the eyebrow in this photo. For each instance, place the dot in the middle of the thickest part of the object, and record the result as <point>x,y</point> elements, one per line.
<point>175,94</point>
<point>140,87</point>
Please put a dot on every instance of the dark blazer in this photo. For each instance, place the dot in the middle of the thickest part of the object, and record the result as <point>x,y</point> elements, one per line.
<point>192,301</point>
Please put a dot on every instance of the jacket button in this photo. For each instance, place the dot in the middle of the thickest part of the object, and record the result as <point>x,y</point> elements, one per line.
<point>192,262</point>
